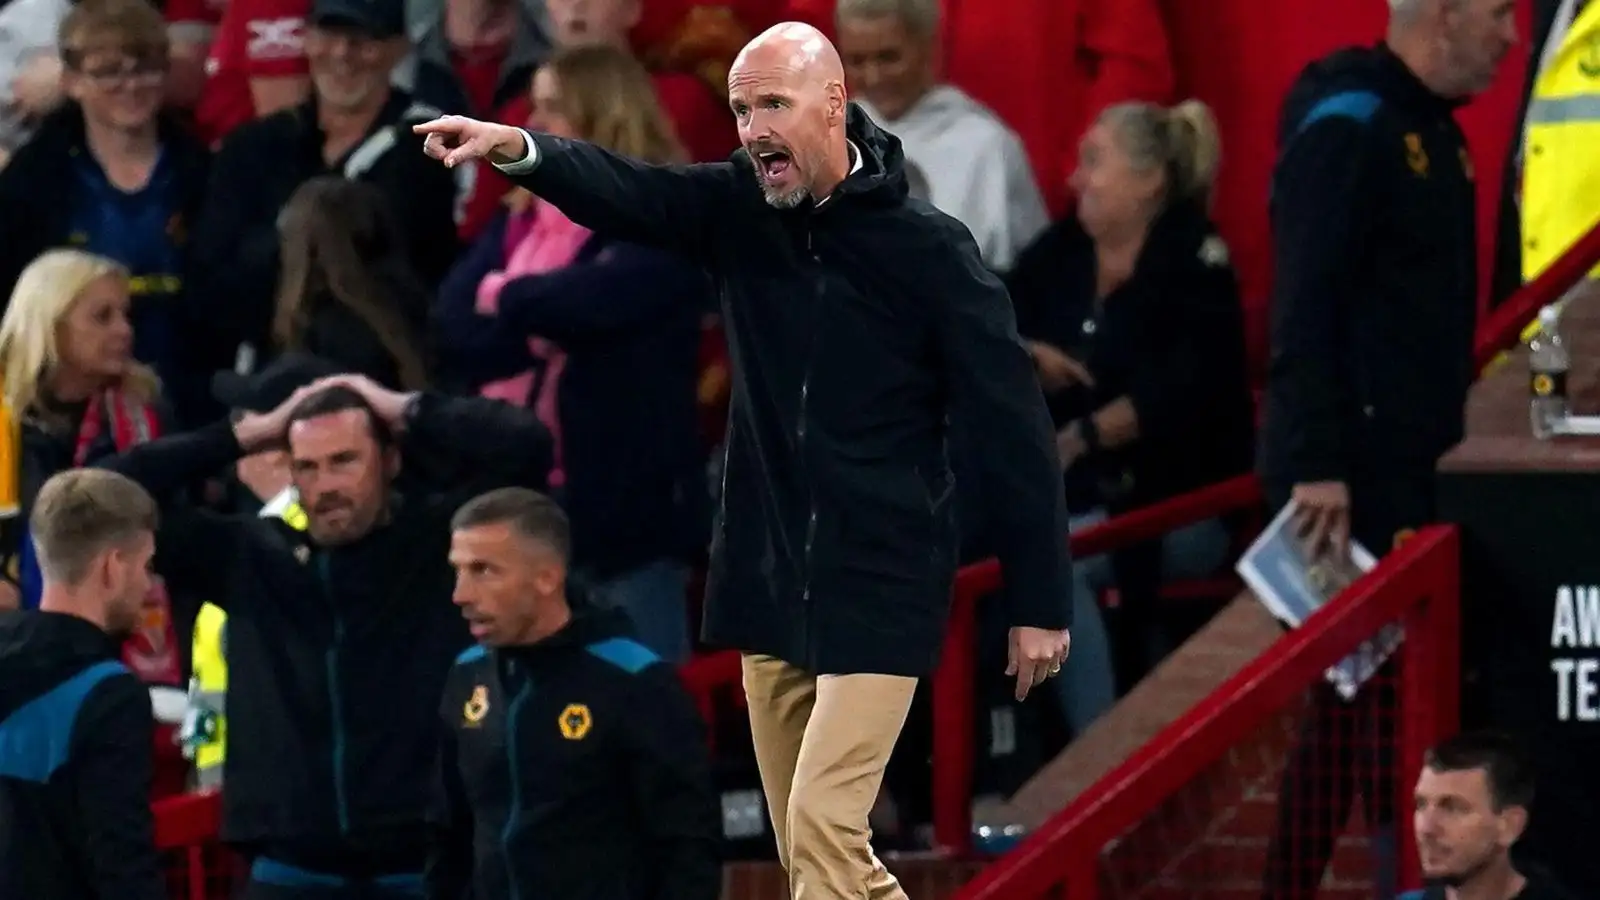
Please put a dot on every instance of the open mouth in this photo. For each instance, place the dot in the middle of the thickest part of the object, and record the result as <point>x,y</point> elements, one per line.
<point>773,163</point>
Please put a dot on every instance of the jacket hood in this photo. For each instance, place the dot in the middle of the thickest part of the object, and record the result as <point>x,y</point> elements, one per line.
<point>591,623</point>
<point>882,175</point>
<point>1375,68</point>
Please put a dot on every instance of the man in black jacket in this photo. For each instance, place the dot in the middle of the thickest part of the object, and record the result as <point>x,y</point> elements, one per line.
<point>75,727</point>
<point>859,321</point>
<point>574,748</point>
<point>1373,315</point>
<point>356,126</point>
<point>339,636</point>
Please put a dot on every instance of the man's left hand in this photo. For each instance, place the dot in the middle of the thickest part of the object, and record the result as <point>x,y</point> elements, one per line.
<point>1035,654</point>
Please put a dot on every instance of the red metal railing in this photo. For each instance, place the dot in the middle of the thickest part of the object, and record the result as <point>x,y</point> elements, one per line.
<point>954,713</point>
<point>1417,584</point>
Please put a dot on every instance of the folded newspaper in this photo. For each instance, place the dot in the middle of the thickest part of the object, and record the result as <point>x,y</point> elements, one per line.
<point>1292,583</point>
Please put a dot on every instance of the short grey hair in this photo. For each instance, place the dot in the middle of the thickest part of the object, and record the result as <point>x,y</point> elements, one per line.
<point>529,513</point>
<point>1405,10</point>
<point>920,17</point>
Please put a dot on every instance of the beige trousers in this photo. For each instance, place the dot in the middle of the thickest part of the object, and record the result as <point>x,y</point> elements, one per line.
<point>821,744</point>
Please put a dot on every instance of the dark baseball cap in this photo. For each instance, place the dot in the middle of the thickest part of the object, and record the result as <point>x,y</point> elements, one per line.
<point>374,18</point>
<point>265,390</point>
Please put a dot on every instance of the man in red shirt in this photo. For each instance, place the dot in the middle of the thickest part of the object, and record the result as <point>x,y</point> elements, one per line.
<point>459,69</point>
<point>254,59</point>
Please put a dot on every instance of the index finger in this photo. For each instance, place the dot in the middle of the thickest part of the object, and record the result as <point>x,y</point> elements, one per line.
<point>1080,371</point>
<point>434,126</point>
<point>1026,669</point>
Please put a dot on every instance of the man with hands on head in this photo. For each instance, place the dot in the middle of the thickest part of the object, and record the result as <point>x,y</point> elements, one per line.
<point>860,322</point>
<point>339,636</point>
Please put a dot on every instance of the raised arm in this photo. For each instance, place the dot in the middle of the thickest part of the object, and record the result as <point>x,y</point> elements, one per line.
<point>477,441</point>
<point>190,540</point>
<point>672,207</point>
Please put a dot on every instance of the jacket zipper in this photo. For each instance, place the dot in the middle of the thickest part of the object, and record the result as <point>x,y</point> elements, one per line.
<point>800,439</point>
<point>514,808</point>
<point>335,699</point>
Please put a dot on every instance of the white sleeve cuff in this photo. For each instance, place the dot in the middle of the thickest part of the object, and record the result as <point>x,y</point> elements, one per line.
<point>524,165</point>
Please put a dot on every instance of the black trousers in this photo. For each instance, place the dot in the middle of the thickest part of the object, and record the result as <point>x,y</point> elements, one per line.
<point>1345,748</point>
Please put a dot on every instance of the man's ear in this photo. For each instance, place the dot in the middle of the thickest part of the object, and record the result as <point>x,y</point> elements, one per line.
<point>1513,821</point>
<point>106,565</point>
<point>838,102</point>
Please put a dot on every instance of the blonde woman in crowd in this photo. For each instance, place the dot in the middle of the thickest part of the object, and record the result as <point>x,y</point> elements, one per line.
<point>1131,309</point>
<point>72,395</point>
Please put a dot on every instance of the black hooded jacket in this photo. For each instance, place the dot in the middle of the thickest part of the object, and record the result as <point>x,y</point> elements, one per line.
<point>575,767</point>
<point>76,740</point>
<point>857,327</point>
<point>1375,299</point>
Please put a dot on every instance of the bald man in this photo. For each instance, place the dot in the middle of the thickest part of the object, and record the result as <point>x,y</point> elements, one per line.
<point>861,323</point>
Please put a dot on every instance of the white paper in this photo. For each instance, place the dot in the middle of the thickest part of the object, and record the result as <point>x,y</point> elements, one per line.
<point>1280,574</point>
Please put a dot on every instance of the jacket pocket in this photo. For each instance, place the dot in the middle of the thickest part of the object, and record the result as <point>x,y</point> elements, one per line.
<point>889,523</point>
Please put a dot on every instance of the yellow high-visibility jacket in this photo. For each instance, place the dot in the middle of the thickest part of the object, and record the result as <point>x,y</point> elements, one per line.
<point>1561,151</point>
<point>210,659</point>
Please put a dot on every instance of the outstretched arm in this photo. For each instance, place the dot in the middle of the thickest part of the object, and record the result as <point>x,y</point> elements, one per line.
<point>671,207</point>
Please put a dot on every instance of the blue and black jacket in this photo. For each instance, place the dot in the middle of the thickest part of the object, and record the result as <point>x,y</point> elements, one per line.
<point>75,762</point>
<point>574,768</point>
<point>1374,299</point>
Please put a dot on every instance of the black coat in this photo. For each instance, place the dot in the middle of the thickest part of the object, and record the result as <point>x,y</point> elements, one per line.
<point>234,280</point>
<point>75,763</point>
<point>337,654</point>
<point>1375,301</point>
<point>856,329</point>
<point>1170,338</point>
<point>575,767</point>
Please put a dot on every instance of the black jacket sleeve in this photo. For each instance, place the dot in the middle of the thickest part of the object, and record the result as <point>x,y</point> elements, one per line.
<point>424,202</point>
<point>995,394</point>
<point>190,541</point>
<point>448,872</point>
<point>472,444</point>
<point>234,254</point>
<point>112,743</point>
<point>670,774</point>
<point>676,208</point>
<point>1316,225</point>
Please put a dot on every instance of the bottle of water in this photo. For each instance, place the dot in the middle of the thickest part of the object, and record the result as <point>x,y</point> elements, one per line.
<point>1548,362</point>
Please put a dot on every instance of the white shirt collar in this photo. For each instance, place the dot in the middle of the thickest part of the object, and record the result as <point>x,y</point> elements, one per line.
<point>855,166</point>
